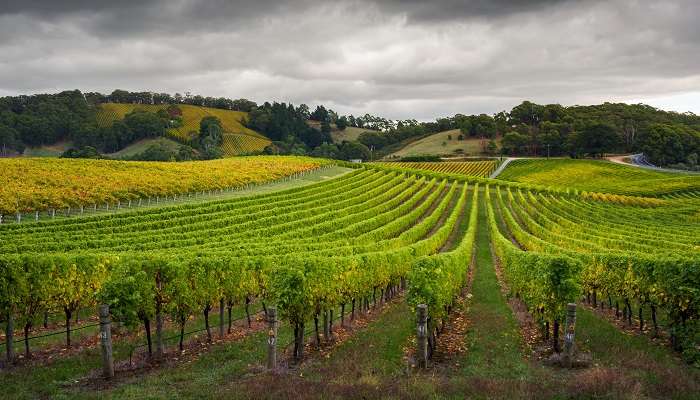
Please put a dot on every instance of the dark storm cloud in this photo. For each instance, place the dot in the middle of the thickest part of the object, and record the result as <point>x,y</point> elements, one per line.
<point>402,58</point>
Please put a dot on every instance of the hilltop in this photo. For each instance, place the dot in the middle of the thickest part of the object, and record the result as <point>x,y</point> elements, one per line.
<point>445,143</point>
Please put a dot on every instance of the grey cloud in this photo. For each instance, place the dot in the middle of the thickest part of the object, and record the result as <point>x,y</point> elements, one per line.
<point>448,10</point>
<point>397,58</point>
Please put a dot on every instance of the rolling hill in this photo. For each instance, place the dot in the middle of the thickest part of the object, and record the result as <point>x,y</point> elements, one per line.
<point>349,134</point>
<point>442,143</point>
<point>237,138</point>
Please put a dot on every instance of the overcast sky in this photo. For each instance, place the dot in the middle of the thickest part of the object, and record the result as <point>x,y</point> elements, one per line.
<point>399,59</point>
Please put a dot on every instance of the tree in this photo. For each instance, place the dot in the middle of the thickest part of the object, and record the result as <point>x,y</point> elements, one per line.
<point>320,114</point>
<point>144,124</point>
<point>527,113</point>
<point>492,147</point>
<point>597,138</point>
<point>304,111</point>
<point>513,143</point>
<point>326,150</point>
<point>85,152</point>
<point>501,121</point>
<point>325,127</point>
<point>210,137</point>
<point>371,138</point>
<point>341,123</point>
<point>353,151</point>
<point>665,144</point>
<point>9,140</point>
<point>550,139</point>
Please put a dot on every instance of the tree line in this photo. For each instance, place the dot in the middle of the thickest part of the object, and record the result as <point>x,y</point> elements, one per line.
<point>667,138</point>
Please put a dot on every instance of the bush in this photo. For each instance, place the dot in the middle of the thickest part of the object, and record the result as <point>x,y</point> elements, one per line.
<point>160,152</point>
<point>85,152</point>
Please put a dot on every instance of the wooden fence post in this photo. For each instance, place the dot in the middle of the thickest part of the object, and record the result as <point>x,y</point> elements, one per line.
<point>422,335</point>
<point>106,342</point>
<point>272,338</point>
<point>569,333</point>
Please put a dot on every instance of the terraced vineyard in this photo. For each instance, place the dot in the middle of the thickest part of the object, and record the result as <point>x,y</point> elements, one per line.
<point>470,168</point>
<point>602,176</point>
<point>238,138</point>
<point>348,245</point>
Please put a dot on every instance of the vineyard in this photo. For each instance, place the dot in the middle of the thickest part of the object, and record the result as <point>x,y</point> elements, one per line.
<point>235,144</point>
<point>344,268</point>
<point>602,176</point>
<point>237,140</point>
<point>47,185</point>
<point>471,168</point>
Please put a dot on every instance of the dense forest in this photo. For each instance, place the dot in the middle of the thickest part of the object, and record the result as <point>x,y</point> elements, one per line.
<point>667,138</point>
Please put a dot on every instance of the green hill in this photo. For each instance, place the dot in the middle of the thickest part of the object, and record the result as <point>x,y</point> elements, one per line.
<point>349,134</point>
<point>237,138</point>
<point>444,143</point>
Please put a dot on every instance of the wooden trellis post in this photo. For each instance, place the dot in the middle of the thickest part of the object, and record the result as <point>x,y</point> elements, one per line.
<point>272,338</point>
<point>569,334</point>
<point>106,342</point>
<point>422,336</point>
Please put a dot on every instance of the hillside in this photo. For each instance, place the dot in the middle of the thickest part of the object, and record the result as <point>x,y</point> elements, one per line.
<point>350,133</point>
<point>237,138</point>
<point>39,184</point>
<point>444,143</point>
<point>599,176</point>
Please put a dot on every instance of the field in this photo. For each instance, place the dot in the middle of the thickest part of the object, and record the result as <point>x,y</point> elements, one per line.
<point>192,115</point>
<point>236,143</point>
<point>30,185</point>
<point>602,176</point>
<point>471,168</point>
<point>443,144</point>
<point>346,262</point>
